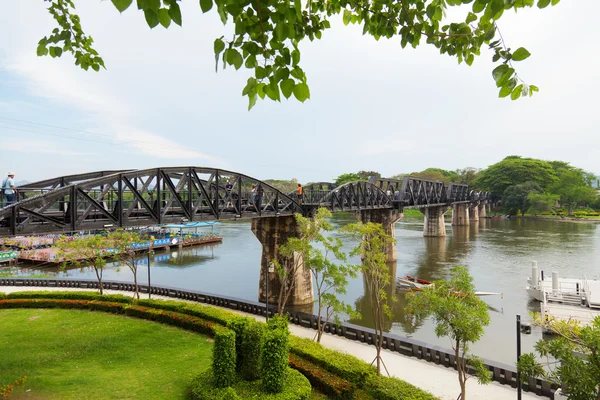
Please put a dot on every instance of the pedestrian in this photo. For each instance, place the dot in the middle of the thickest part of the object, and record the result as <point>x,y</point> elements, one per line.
<point>9,189</point>
<point>253,193</point>
<point>260,191</point>
<point>228,189</point>
<point>299,193</point>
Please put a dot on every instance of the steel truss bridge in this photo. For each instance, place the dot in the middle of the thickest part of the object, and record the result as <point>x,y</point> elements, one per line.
<point>135,198</point>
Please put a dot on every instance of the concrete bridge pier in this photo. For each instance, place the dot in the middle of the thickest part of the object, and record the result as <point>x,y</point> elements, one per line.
<point>460,214</point>
<point>474,212</point>
<point>273,232</point>
<point>386,217</point>
<point>434,224</point>
<point>483,209</point>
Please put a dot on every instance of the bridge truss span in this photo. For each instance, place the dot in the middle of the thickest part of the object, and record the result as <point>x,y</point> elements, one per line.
<point>154,196</point>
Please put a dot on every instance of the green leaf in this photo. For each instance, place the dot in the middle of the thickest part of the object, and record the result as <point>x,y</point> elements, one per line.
<point>347,17</point>
<point>163,17</point>
<point>41,50</point>
<point>505,91</point>
<point>543,3</point>
<point>287,87</point>
<point>250,86</point>
<point>471,17</point>
<point>479,6</point>
<point>532,89</point>
<point>555,2</point>
<point>122,5</point>
<point>175,12</point>
<point>301,92</point>
<point>470,59</point>
<point>298,7</point>
<point>516,93</point>
<point>520,54</point>
<point>206,5</point>
<point>219,46</point>
<point>151,18</point>
<point>260,73</point>
<point>153,5</point>
<point>489,35</point>
<point>222,13</point>
<point>96,67</point>
<point>497,6</point>
<point>499,72</point>
<point>252,97</point>
<point>295,57</point>
<point>234,58</point>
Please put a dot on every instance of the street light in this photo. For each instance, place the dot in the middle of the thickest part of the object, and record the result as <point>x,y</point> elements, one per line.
<point>518,355</point>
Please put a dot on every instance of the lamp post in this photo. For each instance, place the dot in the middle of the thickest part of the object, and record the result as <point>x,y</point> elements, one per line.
<point>518,355</point>
<point>270,268</point>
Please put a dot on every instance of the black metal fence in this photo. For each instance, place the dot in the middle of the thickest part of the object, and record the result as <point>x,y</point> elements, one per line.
<point>502,373</point>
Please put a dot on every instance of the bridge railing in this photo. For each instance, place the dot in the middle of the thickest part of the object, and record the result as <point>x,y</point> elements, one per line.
<point>501,373</point>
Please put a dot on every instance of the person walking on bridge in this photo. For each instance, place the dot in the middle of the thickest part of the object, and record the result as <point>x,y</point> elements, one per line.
<point>299,193</point>
<point>9,189</point>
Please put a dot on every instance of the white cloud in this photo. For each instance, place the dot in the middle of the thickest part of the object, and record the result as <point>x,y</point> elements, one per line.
<point>29,146</point>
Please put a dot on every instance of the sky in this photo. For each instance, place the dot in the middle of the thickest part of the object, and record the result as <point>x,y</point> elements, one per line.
<point>374,106</point>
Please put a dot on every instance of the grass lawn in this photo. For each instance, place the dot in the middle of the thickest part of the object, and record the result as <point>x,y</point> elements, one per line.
<point>72,354</point>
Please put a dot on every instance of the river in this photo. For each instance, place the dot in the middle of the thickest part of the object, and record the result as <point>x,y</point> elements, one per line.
<point>498,254</point>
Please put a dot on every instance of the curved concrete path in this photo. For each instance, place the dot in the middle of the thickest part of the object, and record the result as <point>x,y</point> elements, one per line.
<point>439,380</point>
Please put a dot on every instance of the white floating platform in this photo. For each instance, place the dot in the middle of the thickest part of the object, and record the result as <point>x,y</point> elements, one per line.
<point>569,312</point>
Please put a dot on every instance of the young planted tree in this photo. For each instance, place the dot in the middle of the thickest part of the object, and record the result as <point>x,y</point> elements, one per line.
<point>321,255</point>
<point>90,250</point>
<point>371,249</point>
<point>577,350</point>
<point>124,243</point>
<point>459,315</point>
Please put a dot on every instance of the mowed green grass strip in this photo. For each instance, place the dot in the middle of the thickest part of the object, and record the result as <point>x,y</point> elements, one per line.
<point>72,354</point>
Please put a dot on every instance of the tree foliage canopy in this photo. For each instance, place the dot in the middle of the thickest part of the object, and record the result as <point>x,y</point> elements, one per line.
<point>458,315</point>
<point>516,197</point>
<point>267,35</point>
<point>577,348</point>
<point>514,170</point>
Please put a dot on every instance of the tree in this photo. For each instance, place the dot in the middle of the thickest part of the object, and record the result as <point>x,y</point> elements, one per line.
<point>126,252</point>
<point>86,250</point>
<point>268,34</point>
<point>466,176</point>
<point>540,202</point>
<point>577,350</point>
<point>371,249</point>
<point>458,315</point>
<point>573,187</point>
<point>431,175</point>
<point>366,175</point>
<point>330,278</point>
<point>516,198</point>
<point>349,177</point>
<point>514,170</point>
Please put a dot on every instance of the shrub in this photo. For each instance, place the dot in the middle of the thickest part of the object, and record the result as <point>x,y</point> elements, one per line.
<point>251,349</point>
<point>343,365</point>
<point>238,325</point>
<point>296,387</point>
<point>384,388</point>
<point>328,383</point>
<point>224,358</point>
<point>279,322</point>
<point>274,360</point>
<point>230,394</point>
<point>115,298</point>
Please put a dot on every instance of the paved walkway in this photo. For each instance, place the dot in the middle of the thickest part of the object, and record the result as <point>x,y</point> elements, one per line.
<point>439,380</point>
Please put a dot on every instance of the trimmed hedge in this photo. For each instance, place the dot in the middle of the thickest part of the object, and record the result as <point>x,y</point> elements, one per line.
<point>253,335</point>
<point>279,322</point>
<point>386,388</point>
<point>296,387</point>
<point>238,324</point>
<point>328,383</point>
<point>274,360</point>
<point>341,364</point>
<point>224,358</point>
<point>168,317</point>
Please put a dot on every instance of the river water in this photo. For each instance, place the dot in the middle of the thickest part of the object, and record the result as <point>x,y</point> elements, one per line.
<point>498,254</point>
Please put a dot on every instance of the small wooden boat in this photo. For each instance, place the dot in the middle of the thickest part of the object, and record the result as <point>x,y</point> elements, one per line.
<point>413,284</point>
